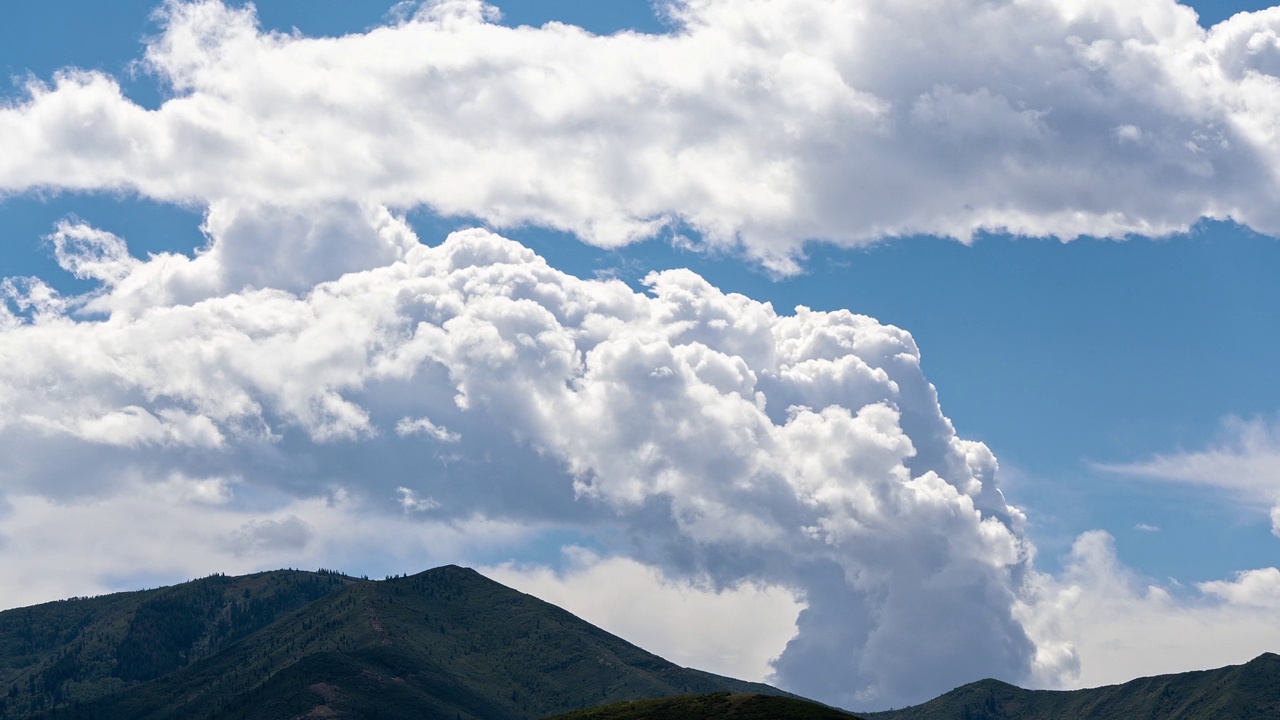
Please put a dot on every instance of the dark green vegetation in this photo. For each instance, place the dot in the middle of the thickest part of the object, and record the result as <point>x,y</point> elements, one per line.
<point>1238,692</point>
<point>447,643</point>
<point>85,648</point>
<point>716,706</point>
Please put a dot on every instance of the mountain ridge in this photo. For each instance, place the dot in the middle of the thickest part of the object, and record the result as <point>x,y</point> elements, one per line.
<point>1248,691</point>
<point>447,642</point>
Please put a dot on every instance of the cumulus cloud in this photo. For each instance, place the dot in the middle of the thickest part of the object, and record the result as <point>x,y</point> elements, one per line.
<point>1258,588</point>
<point>761,124</point>
<point>696,624</point>
<point>1117,620</point>
<point>731,444</point>
<point>1245,463</point>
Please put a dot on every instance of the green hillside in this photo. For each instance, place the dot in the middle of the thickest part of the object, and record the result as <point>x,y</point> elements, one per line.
<point>1238,692</point>
<point>447,643</point>
<point>82,649</point>
<point>715,706</point>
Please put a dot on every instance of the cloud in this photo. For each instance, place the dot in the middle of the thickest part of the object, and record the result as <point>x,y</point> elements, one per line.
<point>728,443</point>
<point>1245,462</point>
<point>760,124</point>
<point>289,534</point>
<point>1116,620</point>
<point>731,631</point>
<point>412,502</point>
<point>149,531</point>
<point>423,426</point>
<point>1258,588</point>
<point>91,254</point>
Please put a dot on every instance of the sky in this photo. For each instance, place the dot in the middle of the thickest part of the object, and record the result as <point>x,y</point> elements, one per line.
<point>933,341</point>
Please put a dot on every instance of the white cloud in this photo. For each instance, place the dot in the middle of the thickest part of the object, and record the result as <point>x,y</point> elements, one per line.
<point>148,532</point>
<point>760,123</point>
<point>412,502</point>
<point>1116,621</point>
<point>207,491</point>
<point>1245,462</point>
<point>424,426</point>
<point>1259,588</point>
<point>731,631</point>
<point>91,254</point>
<point>133,426</point>
<point>733,444</point>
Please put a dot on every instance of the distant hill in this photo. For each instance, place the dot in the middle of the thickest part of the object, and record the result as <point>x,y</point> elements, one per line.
<point>447,643</point>
<point>715,706</point>
<point>1238,692</point>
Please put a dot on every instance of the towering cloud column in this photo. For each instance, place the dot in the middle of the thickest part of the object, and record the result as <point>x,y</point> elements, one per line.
<point>470,379</point>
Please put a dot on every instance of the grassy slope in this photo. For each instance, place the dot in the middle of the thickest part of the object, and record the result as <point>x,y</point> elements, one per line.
<point>85,648</point>
<point>715,706</point>
<point>1237,692</point>
<point>446,643</point>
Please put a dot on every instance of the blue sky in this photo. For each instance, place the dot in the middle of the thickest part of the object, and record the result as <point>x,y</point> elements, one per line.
<point>1062,357</point>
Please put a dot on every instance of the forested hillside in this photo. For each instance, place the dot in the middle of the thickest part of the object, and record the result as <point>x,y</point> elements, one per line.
<point>446,643</point>
<point>713,706</point>
<point>1237,692</point>
<point>85,648</point>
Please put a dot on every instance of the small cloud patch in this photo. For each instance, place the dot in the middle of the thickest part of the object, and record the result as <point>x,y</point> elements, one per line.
<point>289,534</point>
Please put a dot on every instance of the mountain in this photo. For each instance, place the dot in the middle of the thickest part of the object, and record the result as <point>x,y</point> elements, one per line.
<point>447,643</point>
<point>1237,692</point>
<point>714,706</point>
<point>85,648</point>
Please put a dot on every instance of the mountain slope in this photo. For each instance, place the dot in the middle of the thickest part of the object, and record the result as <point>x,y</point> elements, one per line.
<point>715,706</point>
<point>81,649</point>
<point>1237,692</point>
<point>446,643</point>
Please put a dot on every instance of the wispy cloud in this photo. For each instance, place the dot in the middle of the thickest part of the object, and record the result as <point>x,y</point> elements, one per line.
<point>424,426</point>
<point>1245,462</point>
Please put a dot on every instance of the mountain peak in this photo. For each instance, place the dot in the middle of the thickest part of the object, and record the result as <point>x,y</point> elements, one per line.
<point>452,570</point>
